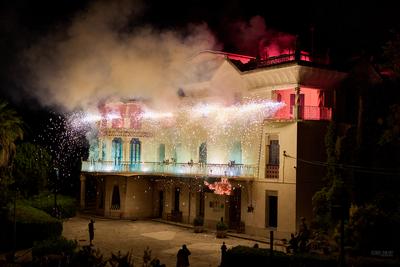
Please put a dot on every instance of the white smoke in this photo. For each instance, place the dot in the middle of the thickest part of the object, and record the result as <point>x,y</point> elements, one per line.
<point>98,57</point>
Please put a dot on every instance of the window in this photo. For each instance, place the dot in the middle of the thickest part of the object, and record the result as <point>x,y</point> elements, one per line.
<point>103,150</point>
<point>161,153</point>
<point>271,209</point>
<point>135,150</point>
<point>117,151</point>
<point>236,152</point>
<point>273,158</point>
<point>203,153</point>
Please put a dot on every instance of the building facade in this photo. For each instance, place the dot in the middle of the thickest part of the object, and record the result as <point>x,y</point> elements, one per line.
<point>250,161</point>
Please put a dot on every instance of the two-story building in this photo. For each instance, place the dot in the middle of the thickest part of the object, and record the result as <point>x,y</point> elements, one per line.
<point>266,137</point>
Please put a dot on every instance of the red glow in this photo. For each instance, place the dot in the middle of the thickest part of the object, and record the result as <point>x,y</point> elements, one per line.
<point>312,104</point>
<point>241,58</point>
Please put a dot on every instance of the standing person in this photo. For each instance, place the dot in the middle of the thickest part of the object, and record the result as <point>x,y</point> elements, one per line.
<point>223,253</point>
<point>183,257</point>
<point>91,231</point>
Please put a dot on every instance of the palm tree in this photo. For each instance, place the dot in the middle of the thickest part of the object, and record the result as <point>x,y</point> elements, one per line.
<point>10,131</point>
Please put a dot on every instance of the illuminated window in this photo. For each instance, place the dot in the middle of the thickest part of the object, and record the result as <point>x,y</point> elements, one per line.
<point>117,151</point>
<point>203,153</point>
<point>135,150</point>
<point>161,153</point>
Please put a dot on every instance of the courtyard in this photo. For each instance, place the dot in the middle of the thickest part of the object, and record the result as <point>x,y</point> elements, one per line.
<point>164,240</point>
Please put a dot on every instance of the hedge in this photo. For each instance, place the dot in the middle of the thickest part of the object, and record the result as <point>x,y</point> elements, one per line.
<point>247,256</point>
<point>54,246</point>
<point>45,202</point>
<point>31,225</point>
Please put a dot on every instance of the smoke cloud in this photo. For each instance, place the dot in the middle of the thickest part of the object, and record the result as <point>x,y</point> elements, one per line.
<point>254,38</point>
<point>99,57</point>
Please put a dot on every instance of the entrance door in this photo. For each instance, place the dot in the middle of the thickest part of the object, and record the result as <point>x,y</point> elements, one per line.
<point>176,199</point>
<point>160,204</point>
<point>200,204</point>
<point>235,208</point>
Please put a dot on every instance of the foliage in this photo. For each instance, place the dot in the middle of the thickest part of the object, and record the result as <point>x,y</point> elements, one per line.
<point>369,227</point>
<point>45,201</point>
<point>120,260</point>
<point>54,246</point>
<point>88,257</point>
<point>32,166</point>
<point>33,225</point>
<point>198,221</point>
<point>11,130</point>
<point>248,256</point>
<point>222,226</point>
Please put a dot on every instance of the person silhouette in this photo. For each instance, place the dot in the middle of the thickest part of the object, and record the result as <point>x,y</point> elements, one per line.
<point>91,231</point>
<point>183,257</point>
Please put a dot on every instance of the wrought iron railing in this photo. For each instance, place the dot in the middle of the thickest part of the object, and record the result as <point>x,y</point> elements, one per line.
<point>159,168</point>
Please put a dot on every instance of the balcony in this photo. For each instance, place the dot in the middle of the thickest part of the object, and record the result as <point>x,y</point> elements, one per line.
<point>305,113</point>
<point>173,169</point>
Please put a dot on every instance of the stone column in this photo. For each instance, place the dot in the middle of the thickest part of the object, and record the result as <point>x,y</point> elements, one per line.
<point>83,190</point>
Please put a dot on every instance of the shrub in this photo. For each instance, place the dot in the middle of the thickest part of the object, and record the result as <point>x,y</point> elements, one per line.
<point>88,257</point>
<point>198,221</point>
<point>45,202</point>
<point>221,226</point>
<point>32,224</point>
<point>54,246</point>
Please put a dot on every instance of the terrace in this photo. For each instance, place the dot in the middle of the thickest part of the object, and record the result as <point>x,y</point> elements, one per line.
<point>172,169</point>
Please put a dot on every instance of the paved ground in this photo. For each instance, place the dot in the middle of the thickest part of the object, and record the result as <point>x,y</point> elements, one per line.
<point>163,239</point>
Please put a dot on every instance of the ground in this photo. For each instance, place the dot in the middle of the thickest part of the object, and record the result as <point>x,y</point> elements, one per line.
<point>163,239</point>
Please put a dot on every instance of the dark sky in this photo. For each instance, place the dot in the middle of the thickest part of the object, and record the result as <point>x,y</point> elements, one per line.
<point>345,28</point>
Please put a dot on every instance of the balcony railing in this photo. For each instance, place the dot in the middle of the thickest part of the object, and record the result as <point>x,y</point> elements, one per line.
<point>272,171</point>
<point>180,169</point>
<point>305,113</point>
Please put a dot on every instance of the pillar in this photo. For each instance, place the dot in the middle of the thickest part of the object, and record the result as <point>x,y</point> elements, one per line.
<point>83,191</point>
<point>296,108</point>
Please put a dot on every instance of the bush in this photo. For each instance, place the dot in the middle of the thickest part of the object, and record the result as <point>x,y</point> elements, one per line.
<point>198,221</point>
<point>221,226</point>
<point>45,202</point>
<point>247,256</point>
<point>54,246</point>
<point>32,225</point>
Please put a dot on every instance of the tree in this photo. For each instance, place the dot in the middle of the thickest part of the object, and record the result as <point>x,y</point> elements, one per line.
<point>32,166</point>
<point>11,130</point>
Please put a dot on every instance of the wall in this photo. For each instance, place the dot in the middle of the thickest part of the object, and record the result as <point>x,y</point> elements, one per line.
<point>139,198</point>
<point>311,147</point>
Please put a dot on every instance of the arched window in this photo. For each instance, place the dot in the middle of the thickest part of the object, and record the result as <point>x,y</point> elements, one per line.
<point>236,152</point>
<point>161,153</point>
<point>203,153</point>
<point>135,150</point>
<point>117,151</point>
<point>115,199</point>
<point>103,151</point>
